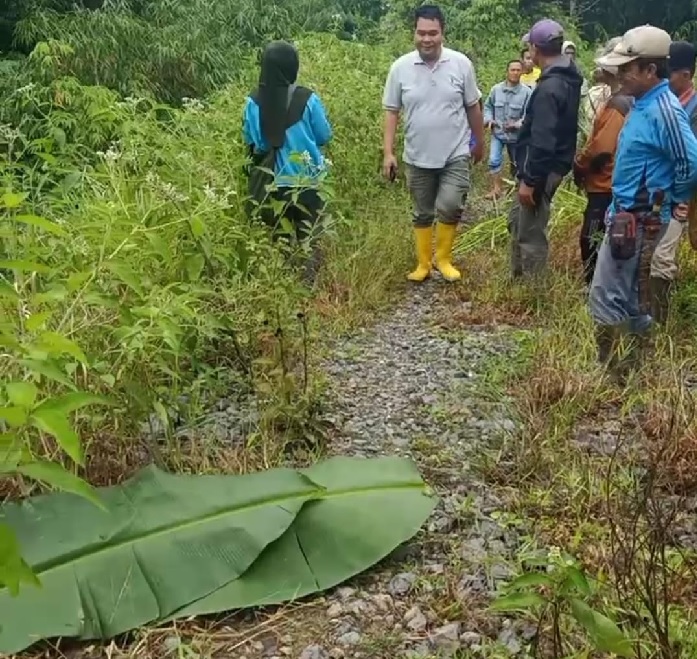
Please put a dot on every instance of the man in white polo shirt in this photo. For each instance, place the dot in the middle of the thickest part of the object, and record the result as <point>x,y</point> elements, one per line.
<point>436,90</point>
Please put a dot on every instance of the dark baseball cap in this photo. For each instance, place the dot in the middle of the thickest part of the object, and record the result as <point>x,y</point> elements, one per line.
<point>682,56</point>
<point>544,32</point>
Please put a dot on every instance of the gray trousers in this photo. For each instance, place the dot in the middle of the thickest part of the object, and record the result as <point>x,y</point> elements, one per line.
<point>664,263</point>
<point>439,192</point>
<point>614,293</point>
<point>528,230</point>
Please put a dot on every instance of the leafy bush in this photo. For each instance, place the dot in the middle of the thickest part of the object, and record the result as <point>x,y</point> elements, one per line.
<point>138,251</point>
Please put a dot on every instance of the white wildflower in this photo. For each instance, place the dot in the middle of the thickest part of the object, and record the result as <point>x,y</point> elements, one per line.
<point>171,193</point>
<point>79,244</point>
<point>210,193</point>
<point>192,104</point>
<point>112,154</point>
<point>8,133</point>
<point>167,190</point>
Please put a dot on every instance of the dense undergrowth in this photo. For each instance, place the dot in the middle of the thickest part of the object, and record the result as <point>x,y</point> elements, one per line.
<point>130,263</point>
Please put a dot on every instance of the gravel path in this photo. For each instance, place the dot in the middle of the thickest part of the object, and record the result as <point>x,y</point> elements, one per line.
<point>407,387</point>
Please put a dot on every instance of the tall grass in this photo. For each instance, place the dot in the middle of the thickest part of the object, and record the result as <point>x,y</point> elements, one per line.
<point>136,256</point>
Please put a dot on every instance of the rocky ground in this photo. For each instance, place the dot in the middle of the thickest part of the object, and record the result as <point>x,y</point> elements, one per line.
<point>406,387</point>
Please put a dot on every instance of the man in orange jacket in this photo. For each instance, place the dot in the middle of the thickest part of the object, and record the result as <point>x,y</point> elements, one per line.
<point>594,163</point>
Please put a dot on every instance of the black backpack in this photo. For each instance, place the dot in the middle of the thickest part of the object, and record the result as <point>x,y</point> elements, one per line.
<point>260,175</point>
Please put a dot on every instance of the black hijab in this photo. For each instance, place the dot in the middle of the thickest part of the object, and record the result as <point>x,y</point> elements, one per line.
<point>279,70</point>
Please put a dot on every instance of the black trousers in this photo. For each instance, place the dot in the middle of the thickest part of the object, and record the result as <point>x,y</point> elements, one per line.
<point>592,231</point>
<point>301,209</point>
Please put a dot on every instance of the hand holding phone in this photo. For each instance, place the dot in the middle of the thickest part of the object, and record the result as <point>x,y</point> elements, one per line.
<point>390,168</point>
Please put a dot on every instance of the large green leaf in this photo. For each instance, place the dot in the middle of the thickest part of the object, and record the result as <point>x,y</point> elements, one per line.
<point>166,540</point>
<point>368,509</point>
<point>606,635</point>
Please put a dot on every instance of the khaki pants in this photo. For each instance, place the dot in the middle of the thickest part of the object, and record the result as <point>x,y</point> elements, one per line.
<point>440,192</point>
<point>664,263</point>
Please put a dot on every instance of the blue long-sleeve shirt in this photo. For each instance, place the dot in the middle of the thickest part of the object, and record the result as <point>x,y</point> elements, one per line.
<point>299,162</point>
<point>657,150</point>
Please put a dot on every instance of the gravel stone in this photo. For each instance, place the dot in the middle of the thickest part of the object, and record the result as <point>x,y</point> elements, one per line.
<point>415,619</point>
<point>357,607</point>
<point>350,638</point>
<point>472,585</point>
<point>474,550</point>
<point>446,639</point>
<point>401,584</point>
<point>405,387</point>
<point>470,638</point>
<point>509,639</point>
<point>419,651</point>
<point>335,610</point>
<point>383,602</point>
<point>314,652</point>
<point>502,572</point>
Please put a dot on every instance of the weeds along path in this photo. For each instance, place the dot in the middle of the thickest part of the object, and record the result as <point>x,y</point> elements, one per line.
<point>406,386</point>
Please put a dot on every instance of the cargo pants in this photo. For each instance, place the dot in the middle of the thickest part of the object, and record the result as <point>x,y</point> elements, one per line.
<point>528,230</point>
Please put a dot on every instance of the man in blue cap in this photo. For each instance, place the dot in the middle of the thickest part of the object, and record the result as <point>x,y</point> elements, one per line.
<point>546,146</point>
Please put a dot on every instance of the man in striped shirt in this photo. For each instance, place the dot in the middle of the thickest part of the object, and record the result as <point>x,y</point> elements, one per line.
<point>654,178</point>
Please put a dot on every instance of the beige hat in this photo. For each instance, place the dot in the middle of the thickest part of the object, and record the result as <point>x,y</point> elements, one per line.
<point>645,41</point>
<point>605,50</point>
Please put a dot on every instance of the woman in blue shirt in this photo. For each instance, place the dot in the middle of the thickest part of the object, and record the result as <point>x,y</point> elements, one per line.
<point>291,120</point>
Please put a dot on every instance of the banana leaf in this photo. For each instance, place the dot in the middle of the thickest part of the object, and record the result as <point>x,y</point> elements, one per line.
<point>166,540</point>
<point>369,508</point>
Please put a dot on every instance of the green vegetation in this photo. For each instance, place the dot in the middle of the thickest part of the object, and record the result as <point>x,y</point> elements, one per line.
<point>132,287</point>
<point>607,474</point>
<point>293,536</point>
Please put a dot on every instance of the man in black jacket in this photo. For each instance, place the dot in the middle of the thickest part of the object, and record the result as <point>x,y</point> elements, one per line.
<point>546,147</point>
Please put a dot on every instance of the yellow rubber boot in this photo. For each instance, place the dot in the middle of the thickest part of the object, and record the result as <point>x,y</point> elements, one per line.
<point>445,239</point>
<point>423,236</point>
